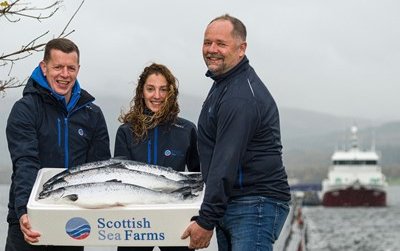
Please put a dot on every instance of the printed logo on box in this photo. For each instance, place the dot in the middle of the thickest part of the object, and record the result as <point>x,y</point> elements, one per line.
<point>127,229</point>
<point>77,228</point>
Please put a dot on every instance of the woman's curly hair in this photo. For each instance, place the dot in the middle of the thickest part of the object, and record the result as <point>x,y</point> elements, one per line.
<point>138,116</point>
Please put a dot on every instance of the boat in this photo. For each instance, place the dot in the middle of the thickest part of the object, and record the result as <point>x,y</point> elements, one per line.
<point>355,178</point>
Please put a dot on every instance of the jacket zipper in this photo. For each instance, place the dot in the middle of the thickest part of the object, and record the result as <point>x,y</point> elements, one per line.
<point>240,176</point>
<point>153,148</point>
<point>66,143</point>
<point>59,131</point>
<point>59,136</point>
<point>155,157</point>
<point>149,151</point>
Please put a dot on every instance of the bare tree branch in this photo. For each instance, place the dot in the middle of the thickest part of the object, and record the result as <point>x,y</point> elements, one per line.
<point>70,20</point>
<point>11,83</point>
<point>16,8</point>
<point>26,49</point>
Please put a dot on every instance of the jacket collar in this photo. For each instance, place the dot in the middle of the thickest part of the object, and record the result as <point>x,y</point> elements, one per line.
<point>229,73</point>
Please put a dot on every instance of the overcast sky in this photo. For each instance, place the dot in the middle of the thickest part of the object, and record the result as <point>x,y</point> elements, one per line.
<point>340,57</point>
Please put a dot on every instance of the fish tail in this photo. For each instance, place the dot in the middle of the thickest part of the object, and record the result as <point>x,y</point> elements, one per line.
<point>185,192</point>
<point>198,187</point>
<point>194,176</point>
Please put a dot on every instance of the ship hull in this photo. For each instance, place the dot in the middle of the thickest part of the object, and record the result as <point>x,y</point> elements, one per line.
<point>354,197</point>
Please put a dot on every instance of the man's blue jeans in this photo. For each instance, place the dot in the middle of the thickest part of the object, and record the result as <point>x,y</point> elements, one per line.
<point>251,223</point>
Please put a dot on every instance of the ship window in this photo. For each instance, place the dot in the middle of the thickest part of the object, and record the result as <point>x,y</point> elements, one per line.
<point>374,181</point>
<point>354,162</point>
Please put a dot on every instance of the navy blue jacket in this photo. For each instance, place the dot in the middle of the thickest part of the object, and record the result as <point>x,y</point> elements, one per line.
<point>170,145</point>
<point>239,143</point>
<point>43,131</point>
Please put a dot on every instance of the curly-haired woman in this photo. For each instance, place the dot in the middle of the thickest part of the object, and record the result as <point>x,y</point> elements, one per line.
<point>153,133</point>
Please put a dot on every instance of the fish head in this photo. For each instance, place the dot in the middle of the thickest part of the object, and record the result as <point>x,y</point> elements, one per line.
<point>52,194</point>
<point>44,194</point>
<point>47,188</point>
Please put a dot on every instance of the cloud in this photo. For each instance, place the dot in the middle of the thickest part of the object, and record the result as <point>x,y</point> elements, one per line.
<point>338,57</point>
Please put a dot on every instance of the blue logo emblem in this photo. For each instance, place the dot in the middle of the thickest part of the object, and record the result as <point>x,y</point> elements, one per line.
<point>78,228</point>
<point>80,131</point>
<point>174,153</point>
<point>167,153</point>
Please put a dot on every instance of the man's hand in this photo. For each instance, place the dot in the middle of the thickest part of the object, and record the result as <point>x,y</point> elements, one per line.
<point>199,237</point>
<point>29,236</point>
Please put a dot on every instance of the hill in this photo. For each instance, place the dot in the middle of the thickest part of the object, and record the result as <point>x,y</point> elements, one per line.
<point>309,138</point>
<point>308,157</point>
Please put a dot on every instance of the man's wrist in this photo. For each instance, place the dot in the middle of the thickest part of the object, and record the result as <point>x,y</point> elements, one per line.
<point>21,211</point>
<point>203,223</point>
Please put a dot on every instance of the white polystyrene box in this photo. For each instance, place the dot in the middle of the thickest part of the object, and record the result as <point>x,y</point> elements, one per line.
<point>133,225</point>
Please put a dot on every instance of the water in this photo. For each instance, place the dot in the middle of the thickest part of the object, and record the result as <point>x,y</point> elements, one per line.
<point>355,229</point>
<point>329,229</point>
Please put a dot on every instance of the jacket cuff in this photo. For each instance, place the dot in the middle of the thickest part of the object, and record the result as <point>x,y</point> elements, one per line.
<point>203,223</point>
<point>21,211</point>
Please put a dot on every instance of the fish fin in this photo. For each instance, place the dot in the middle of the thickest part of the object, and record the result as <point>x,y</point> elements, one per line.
<point>114,180</point>
<point>120,165</point>
<point>108,164</point>
<point>71,197</point>
<point>115,164</point>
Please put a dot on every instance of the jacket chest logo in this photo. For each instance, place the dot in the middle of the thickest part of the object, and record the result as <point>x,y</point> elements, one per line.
<point>80,131</point>
<point>175,153</point>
